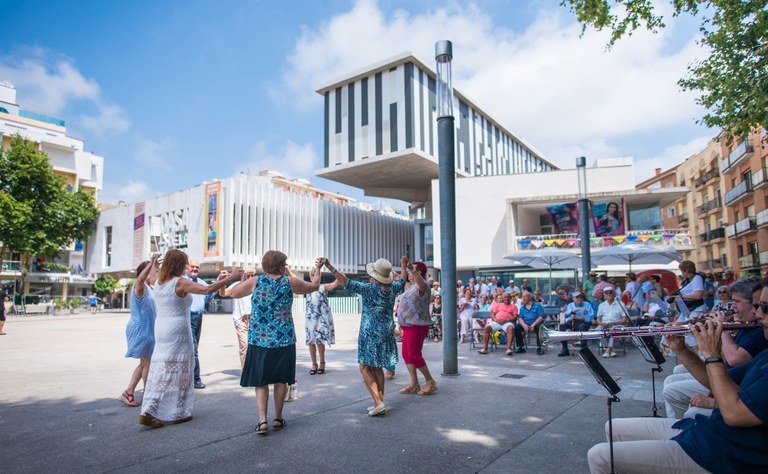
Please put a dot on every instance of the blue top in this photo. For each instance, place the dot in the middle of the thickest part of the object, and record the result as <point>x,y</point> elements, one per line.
<point>584,310</point>
<point>718,447</point>
<point>531,315</point>
<point>93,301</point>
<point>751,340</point>
<point>376,345</point>
<point>198,301</point>
<point>594,304</point>
<point>140,330</point>
<point>271,318</point>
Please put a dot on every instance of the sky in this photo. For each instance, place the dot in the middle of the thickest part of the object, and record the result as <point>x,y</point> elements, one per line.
<point>176,93</point>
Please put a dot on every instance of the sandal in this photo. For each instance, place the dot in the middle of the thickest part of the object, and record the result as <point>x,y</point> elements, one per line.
<point>128,399</point>
<point>429,388</point>
<point>278,424</point>
<point>151,421</point>
<point>258,429</point>
<point>410,389</point>
<point>314,369</point>
<point>321,369</point>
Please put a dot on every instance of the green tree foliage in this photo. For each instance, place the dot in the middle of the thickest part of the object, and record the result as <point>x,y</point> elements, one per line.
<point>104,286</point>
<point>732,80</point>
<point>38,216</point>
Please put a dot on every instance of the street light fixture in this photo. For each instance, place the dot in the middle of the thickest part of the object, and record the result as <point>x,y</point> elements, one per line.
<point>586,259</point>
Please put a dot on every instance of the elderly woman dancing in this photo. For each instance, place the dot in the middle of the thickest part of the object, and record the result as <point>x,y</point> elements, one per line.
<point>319,327</point>
<point>271,356</point>
<point>169,395</point>
<point>376,346</point>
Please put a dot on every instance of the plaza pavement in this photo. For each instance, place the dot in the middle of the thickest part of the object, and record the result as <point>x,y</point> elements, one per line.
<point>60,376</point>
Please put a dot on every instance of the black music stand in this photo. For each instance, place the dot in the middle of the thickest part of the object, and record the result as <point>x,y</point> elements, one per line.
<point>603,378</point>
<point>652,354</point>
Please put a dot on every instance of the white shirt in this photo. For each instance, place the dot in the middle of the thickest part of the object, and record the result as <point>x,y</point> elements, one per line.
<point>241,307</point>
<point>611,313</point>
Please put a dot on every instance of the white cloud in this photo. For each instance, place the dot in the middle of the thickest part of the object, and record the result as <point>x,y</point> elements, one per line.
<point>546,84</point>
<point>669,157</point>
<point>49,85</point>
<point>130,192</point>
<point>292,159</point>
<point>155,154</point>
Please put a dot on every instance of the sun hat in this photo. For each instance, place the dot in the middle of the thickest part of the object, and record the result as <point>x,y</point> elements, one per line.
<point>380,270</point>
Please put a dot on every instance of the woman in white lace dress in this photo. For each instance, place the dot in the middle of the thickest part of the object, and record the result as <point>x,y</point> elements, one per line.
<point>169,395</point>
<point>319,325</point>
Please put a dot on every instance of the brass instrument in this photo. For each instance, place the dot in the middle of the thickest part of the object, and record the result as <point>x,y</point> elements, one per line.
<point>548,336</point>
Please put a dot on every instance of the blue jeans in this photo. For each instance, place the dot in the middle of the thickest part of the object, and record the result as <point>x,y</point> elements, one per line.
<point>196,321</point>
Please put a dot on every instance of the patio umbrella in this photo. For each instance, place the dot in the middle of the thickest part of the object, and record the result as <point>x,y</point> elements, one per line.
<point>635,253</point>
<point>548,257</point>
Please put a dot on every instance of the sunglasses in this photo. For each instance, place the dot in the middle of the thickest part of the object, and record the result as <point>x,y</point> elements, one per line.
<point>762,306</point>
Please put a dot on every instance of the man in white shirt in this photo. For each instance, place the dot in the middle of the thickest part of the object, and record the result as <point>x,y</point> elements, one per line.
<point>610,313</point>
<point>241,314</point>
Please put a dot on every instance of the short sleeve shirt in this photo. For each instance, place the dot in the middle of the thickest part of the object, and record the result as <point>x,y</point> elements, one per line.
<point>413,309</point>
<point>611,313</point>
<point>271,318</point>
<point>531,315</point>
<point>505,312</point>
<point>751,340</point>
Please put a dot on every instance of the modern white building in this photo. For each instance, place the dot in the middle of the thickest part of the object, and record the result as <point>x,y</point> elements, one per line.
<point>82,170</point>
<point>380,136</point>
<point>232,222</point>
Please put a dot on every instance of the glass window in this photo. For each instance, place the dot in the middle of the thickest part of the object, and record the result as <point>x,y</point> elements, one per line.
<point>429,244</point>
<point>645,217</point>
<point>108,246</point>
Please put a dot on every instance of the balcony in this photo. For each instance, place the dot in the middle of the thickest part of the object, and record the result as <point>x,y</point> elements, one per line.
<point>706,177</point>
<point>760,178</point>
<point>709,206</point>
<point>682,218</point>
<point>749,261</point>
<point>712,235</point>
<point>742,150</point>
<point>746,226</point>
<point>711,264</point>
<point>14,110</point>
<point>763,257</point>
<point>761,219</point>
<point>680,239</point>
<point>739,192</point>
<point>730,231</point>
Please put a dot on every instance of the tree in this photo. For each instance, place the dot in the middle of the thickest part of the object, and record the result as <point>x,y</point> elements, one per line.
<point>104,286</point>
<point>732,80</point>
<point>38,217</point>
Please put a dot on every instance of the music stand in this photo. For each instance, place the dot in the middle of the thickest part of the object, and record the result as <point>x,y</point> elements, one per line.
<point>603,378</point>
<point>652,354</point>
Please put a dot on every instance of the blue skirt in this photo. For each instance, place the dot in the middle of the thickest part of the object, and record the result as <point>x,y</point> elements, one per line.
<point>264,366</point>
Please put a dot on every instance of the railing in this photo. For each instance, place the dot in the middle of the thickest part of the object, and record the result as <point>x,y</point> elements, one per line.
<point>13,110</point>
<point>739,191</point>
<point>679,238</point>
<point>761,219</point>
<point>759,178</point>
<point>746,225</point>
<point>749,261</point>
<point>763,257</point>
<point>709,206</point>
<point>706,177</point>
<point>682,218</point>
<point>712,235</point>
<point>338,304</point>
<point>743,149</point>
<point>730,231</point>
<point>11,266</point>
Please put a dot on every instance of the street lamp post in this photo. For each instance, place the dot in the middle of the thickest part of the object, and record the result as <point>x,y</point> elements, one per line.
<point>446,154</point>
<point>586,263</point>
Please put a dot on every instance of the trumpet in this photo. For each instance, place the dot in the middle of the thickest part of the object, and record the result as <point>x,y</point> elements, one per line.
<point>548,336</point>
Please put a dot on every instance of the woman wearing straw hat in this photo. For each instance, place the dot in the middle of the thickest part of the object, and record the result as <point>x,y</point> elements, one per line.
<point>376,346</point>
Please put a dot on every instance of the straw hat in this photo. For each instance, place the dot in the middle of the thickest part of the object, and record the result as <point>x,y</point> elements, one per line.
<point>381,271</point>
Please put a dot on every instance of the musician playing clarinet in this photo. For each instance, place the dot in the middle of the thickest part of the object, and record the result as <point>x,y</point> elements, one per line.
<point>733,439</point>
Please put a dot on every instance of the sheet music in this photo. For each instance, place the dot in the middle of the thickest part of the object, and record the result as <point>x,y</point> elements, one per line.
<point>685,313</point>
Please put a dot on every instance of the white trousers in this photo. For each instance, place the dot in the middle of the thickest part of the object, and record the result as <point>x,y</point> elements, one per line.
<point>678,390</point>
<point>642,445</point>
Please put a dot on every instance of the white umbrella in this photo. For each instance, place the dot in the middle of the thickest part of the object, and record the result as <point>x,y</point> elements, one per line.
<point>635,253</point>
<point>548,257</point>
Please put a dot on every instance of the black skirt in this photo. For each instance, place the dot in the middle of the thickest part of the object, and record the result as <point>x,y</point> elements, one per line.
<point>264,366</point>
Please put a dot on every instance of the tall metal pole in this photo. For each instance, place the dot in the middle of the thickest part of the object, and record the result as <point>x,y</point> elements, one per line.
<point>586,258</point>
<point>446,154</point>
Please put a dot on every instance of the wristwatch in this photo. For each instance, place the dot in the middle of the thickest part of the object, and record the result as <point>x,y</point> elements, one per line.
<point>712,360</point>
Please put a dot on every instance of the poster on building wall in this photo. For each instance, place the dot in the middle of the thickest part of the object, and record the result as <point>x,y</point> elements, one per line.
<point>608,217</point>
<point>211,240</point>
<point>138,234</point>
<point>564,217</point>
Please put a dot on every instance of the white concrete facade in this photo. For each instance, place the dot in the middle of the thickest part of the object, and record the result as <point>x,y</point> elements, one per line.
<point>255,214</point>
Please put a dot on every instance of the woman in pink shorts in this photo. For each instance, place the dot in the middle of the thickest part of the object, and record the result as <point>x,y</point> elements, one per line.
<point>414,320</point>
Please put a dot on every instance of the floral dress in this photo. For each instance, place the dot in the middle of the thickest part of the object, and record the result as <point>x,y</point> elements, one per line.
<point>271,318</point>
<point>319,319</point>
<point>376,345</point>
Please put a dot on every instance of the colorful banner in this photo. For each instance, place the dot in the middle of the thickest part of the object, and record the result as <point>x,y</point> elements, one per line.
<point>138,234</point>
<point>608,217</point>
<point>564,217</point>
<point>211,239</point>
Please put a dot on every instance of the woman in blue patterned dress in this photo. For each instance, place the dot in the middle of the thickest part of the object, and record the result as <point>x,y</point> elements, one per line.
<point>271,356</point>
<point>140,331</point>
<point>376,345</point>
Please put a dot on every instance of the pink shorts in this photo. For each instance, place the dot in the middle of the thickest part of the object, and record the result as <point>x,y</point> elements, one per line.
<point>413,343</point>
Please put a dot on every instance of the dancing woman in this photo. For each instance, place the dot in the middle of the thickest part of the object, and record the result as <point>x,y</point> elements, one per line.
<point>169,394</point>
<point>319,327</point>
<point>271,356</point>
<point>140,330</point>
<point>376,346</point>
